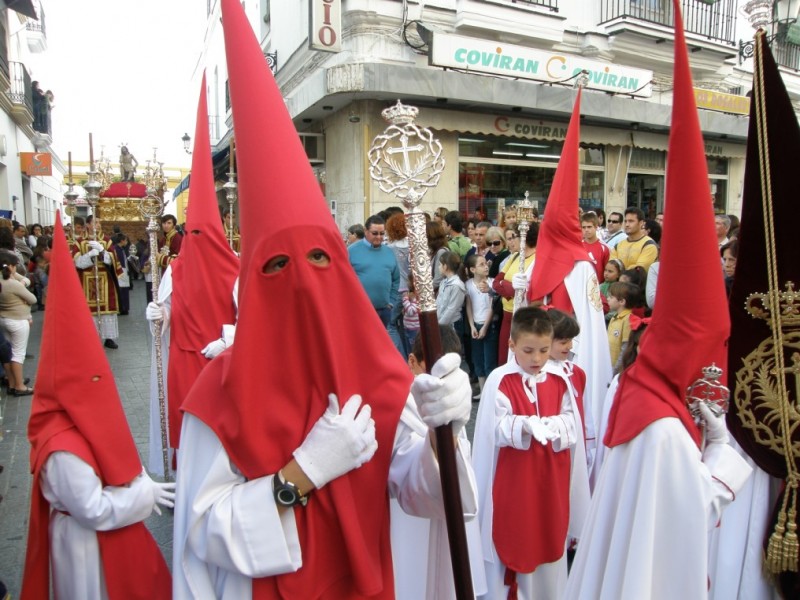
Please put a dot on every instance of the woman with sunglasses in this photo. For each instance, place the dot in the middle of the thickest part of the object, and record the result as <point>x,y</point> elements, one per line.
<point>495,244</point>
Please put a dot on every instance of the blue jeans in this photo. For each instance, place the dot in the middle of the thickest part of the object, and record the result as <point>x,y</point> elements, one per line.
<point>384,314</point>
<point>484,351</point>
<point>396,331</point>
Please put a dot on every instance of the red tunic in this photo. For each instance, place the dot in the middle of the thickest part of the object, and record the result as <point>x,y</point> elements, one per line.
<point>531,487</point>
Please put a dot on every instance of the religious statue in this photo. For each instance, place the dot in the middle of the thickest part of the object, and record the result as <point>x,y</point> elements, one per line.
<point>127,164</point>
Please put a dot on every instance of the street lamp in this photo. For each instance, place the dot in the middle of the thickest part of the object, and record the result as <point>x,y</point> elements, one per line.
<point>186,141</point>
<point>777,17</point>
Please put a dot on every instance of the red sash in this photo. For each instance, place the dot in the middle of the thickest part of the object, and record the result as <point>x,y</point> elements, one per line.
<point>531,487</point>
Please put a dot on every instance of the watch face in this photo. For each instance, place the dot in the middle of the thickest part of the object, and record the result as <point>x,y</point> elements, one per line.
<point>286,496</point>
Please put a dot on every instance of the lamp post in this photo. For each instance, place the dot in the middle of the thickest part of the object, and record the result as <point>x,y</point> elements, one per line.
<point>187,140</point>
<point>777,17</point>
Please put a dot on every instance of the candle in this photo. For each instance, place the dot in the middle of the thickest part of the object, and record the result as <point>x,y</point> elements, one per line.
<point>69,162</point>
<point>233,162</point>
<point>91,153</point>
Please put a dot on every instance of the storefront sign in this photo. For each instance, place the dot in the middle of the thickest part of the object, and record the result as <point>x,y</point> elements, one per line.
<point>325,32</point>
<point>719,101</point>
<point>36,164</point>
<point>484,56</point>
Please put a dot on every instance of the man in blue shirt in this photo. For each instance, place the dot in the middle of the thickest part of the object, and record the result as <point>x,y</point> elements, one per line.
<point>376,268</point>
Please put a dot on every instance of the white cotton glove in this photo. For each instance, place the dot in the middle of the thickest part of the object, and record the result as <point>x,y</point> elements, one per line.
<point>715,427</point>
<point>519,281</point>
<point>213,349</point>
<point>338,442</point>
<point>107,258</point>
<point>97,246</point>
<point>163,494</point>
<point>444,396</point>
<point>538,430</point>
<point>92,253</point>
<point>154,312</point>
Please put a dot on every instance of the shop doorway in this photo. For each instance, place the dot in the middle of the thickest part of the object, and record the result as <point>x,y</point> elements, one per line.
<point>646,192</point>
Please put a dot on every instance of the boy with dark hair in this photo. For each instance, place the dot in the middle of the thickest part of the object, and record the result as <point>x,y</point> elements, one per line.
<point>597,250</point>
<point>524,487</point>
<point>638,249</point>
<point>454,227</point>
<point>622,299</point>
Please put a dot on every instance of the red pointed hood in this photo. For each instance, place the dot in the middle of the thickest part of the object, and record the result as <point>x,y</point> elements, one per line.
<point>77,389</point>
<point>304,331</point>
<point>690,319</point>
<point>203,276</point>
<point>560,242</point>
<point>204,273</point>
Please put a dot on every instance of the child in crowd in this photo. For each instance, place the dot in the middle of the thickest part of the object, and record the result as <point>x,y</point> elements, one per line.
<point>622,298</point>
<point>480,317</point>
<point>410,311</point>
<point>565,330</point>
<point>526,421</point>
<point>451,291</point>
<point>597,250</point>
<point>611,274</point>
<point>638,277</point>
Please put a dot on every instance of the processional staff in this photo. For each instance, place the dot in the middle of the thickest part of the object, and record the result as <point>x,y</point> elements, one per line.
<point>524,218</point>
<point>391,165</point>
<point>93,188</point>
<point>72,196</point>
<point>231,193</point>
<point>151,208</point>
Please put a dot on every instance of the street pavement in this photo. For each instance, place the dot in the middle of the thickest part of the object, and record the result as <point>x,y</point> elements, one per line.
<point>131,367</point>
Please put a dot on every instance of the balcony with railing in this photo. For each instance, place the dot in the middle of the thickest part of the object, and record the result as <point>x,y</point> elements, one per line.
<point>716,22</point>
<point>20,94</point>
<point>551,4</point>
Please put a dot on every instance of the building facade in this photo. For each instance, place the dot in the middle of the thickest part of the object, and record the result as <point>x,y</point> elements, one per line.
<point>495,80</point>
<point>30,171</point>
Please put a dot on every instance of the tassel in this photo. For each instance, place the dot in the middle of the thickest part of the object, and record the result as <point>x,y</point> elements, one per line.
<point>791,547</point>
<point>774,560</point>
<point>510,579</point>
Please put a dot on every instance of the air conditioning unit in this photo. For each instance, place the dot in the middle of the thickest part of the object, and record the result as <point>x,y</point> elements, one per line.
<point>314,145</point>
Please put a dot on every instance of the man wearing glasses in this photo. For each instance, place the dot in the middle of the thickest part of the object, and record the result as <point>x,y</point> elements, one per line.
<point>376,268</point>
<point>614,227</point>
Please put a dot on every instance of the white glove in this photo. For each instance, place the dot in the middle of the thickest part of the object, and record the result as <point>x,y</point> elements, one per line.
<point>213,349</point>
<point>338,442</point>
<point>92,253</point>
<point>444,396</point>
<point>519,281</point>
<point>716,429</point>
<point>154,312</point>
<point>163,494</point>
<point>95,246</point>
<point>107,258</point>
<point>538,430</point>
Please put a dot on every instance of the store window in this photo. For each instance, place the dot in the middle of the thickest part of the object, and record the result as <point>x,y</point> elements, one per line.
<point>496,171</point>
<point>718,181</point>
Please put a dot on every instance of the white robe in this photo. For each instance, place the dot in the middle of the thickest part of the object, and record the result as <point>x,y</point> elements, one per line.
<point>736,545</point>
<point>654,505</point>
<point>228,530</point>
<point>494,428</point>
<point>420,546</point>
<point>71,486</point>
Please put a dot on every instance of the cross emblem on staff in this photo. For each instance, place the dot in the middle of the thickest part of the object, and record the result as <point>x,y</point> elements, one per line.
<point>404,148</point>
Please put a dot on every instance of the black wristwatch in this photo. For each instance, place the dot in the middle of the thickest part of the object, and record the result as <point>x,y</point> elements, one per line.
<point>286,493</point>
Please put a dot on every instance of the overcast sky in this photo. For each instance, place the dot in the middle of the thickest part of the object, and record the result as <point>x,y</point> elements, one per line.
<point>122,70</point>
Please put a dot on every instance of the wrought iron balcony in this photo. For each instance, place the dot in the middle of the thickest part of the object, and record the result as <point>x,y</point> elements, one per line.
<point>20,94</point>
<point>715,21</point>
<point>786,54</point>
<point>551,4</point>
